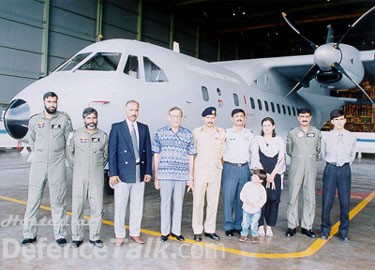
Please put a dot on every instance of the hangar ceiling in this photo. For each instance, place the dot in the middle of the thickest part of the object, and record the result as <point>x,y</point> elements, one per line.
<point>260,31</point>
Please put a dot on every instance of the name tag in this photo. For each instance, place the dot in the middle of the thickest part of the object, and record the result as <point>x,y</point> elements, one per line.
<point>56,126</point>
<point>310,135</point>
<point>95,140</point>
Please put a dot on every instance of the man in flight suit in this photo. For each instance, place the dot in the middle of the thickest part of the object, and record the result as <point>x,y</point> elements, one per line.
<point>87,154</point>
<point>303,147</point>
<point>48,132</point>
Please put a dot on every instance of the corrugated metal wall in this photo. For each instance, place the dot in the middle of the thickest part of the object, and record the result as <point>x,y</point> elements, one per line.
<point>72,25</point>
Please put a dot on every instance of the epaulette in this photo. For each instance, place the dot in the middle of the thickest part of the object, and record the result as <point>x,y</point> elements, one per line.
<point>35,114</point>
<point>67,115</point>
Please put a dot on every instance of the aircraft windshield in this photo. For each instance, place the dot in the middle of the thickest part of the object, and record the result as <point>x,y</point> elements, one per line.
<point>153,73</point>
<point>73,62</point>
<point>102,62</point>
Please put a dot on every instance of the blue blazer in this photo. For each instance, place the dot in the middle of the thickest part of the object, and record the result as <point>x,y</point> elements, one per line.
<point>121,153</point>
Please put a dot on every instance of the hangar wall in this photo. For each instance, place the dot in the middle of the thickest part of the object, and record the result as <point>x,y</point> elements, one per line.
<point>38,35</point>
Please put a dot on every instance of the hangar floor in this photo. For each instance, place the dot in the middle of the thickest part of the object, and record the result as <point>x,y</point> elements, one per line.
<point>278,252</point>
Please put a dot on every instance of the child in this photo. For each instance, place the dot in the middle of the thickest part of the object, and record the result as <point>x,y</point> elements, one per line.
<point>254,197</point>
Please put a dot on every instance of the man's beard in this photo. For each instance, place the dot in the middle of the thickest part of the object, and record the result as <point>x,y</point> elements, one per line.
<point>51,110</point>
<point>91,126</point>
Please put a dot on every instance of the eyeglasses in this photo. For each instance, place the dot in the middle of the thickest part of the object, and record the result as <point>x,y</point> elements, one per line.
<point>175,116</point>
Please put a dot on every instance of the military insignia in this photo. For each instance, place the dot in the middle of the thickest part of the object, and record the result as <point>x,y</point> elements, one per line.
<point>70,137</point>
<point>213,112</point>
<point>41,124</point>
<point>83,140</point>
<point>95,140</point>
<point>300,134</point>
<point>310,135</point>
<point>55,126</point>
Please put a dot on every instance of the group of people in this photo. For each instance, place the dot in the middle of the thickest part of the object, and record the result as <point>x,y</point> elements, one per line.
<point>205,161</point>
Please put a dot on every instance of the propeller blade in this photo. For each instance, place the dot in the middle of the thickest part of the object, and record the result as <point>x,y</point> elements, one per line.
<point>330,34</point>
<point>353,25</point>
<point>312,44</point>
<point>306,78</point>
<point>340,68</point>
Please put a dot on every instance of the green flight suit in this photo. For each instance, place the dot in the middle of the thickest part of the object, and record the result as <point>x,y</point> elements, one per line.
<point>87,154</point>
<point>47,139</point>
<point>303,148</point>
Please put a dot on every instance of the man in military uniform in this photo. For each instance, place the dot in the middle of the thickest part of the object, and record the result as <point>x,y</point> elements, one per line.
<point>303,147</point>
<point>210,143</point>
<point>48,132</point>
<point>87,154</point>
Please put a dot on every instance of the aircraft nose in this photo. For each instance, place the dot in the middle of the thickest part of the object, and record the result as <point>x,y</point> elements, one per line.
<point>16,118</point>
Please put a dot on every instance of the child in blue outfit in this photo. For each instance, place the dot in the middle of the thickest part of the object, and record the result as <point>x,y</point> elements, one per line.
<point>253,196</point>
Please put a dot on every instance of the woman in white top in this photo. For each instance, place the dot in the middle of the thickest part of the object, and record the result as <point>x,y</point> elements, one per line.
<point>268,153</point>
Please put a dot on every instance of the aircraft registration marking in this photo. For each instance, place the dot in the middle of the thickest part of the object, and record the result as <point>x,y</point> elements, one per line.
<point>311,250</point>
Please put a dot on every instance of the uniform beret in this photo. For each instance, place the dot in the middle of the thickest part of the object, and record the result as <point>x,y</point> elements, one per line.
<point>209,111</point>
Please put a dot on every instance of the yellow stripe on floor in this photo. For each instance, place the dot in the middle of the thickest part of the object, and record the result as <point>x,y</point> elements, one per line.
<point>311,250</point>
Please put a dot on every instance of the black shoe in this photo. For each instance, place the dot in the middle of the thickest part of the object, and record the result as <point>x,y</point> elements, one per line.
<point>213,236</point>
<point>28,241</point>
<point>345,239</point>
<point>229,233</point>
<point>198,237</point>
<point>178,237</point>
<point>75,244</point>
<point>324,235</point>
<point>237,231</point>
<point>164,238</point>
<point>308,233</point>
<point>97,243</point>
<point>290,232</point>
<point>61,242</point>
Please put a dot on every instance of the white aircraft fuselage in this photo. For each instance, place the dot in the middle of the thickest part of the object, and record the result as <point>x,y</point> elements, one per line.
<point>172,79</point>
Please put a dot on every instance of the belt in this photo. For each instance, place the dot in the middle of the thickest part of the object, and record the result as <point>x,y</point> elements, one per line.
<point>236,164</point>
<point>335,164</point>
<point>138,163</point>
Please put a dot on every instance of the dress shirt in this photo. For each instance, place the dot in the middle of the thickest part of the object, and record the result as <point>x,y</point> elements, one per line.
<point>330,150</point>
<point>238,145</point>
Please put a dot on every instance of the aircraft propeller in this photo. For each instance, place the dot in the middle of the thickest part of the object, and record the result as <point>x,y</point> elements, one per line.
<point>327,57</point>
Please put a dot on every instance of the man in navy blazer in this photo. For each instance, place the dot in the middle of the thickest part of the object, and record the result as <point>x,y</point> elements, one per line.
<point>130,166</point>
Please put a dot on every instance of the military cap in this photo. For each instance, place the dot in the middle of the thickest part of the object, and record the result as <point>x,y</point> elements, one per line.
<point>209,111</point>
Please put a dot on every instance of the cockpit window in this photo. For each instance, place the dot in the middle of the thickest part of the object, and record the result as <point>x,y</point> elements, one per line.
<point>153,73</point>
<point>103,62</point>
<point>132,67</point>
<point>68,65</point>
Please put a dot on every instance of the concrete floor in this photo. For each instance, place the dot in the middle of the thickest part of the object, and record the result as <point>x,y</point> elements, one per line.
<point>278,252</point>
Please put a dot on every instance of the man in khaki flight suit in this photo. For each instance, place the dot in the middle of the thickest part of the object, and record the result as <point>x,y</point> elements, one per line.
<point>87,154</point>
<point>210,144</point>
<point>303,147</point>
<point>47,136</point>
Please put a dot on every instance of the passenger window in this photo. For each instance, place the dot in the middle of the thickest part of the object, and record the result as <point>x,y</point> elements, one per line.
<point>272,107</point>
<point>284,111</point>
<point>132,66</point>
<point>102,62</point>
<point>259,105</point>
<point>68,65</point>
<point>153,73</point>
<point>252,103</point>
<point>278,108</point>
<point>289,112</point>
<point>235,100</point>
<point>205,93</point>
<point>218,91</point>
<point>266,105</point>
<point>294,111</point>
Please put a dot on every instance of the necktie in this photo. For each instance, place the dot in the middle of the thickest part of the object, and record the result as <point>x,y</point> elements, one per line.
<point>340,150</point>
<point>135,143</point>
